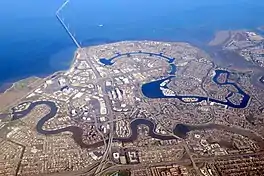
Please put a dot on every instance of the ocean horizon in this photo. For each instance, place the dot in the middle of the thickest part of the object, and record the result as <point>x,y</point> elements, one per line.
<point>33,42</point>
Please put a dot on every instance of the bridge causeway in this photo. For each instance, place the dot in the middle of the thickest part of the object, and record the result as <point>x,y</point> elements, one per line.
<point>64,25</point>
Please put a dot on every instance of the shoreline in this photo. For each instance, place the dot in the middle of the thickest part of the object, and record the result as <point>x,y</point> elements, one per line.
<point>14,94</point>
<point>5,87</point>
<point>9,86</point>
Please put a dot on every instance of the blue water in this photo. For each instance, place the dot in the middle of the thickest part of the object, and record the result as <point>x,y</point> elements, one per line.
<point>109,61</point>
<point>152,90</point>
<point>173,69</point>
<point>32,41</point>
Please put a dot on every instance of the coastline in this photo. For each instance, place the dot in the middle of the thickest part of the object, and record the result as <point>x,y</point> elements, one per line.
<point>5,87</point>
<point>219,38</point>
<point>9,86</point>
<point>12,95</point>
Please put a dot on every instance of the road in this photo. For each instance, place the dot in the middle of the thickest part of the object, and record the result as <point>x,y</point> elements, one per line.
<point>64,25</point>
<point>109,110</point>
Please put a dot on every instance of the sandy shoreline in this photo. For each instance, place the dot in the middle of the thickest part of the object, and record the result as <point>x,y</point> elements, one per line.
<point>5,87</point>
<point>16,91</point>
<point>219,38</point>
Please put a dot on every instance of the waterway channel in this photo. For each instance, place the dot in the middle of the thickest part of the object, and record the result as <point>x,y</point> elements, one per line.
<point>179,130</point>
<point>150,90</point>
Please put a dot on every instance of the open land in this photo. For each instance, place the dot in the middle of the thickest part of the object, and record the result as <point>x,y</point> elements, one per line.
<point>17,91</point>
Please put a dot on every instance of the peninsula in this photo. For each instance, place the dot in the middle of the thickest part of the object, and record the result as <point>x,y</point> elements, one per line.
<point>135,107</point>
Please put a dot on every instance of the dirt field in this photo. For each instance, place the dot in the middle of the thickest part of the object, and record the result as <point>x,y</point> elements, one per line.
<point>18,91</point>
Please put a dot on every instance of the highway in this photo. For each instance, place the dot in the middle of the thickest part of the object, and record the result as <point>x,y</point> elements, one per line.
<point>62,6</point>
<point>110,113</point>
<point>64,26</point>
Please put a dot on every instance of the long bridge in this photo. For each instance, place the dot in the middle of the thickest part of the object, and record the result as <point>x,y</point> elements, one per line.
<point>64,25</point>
